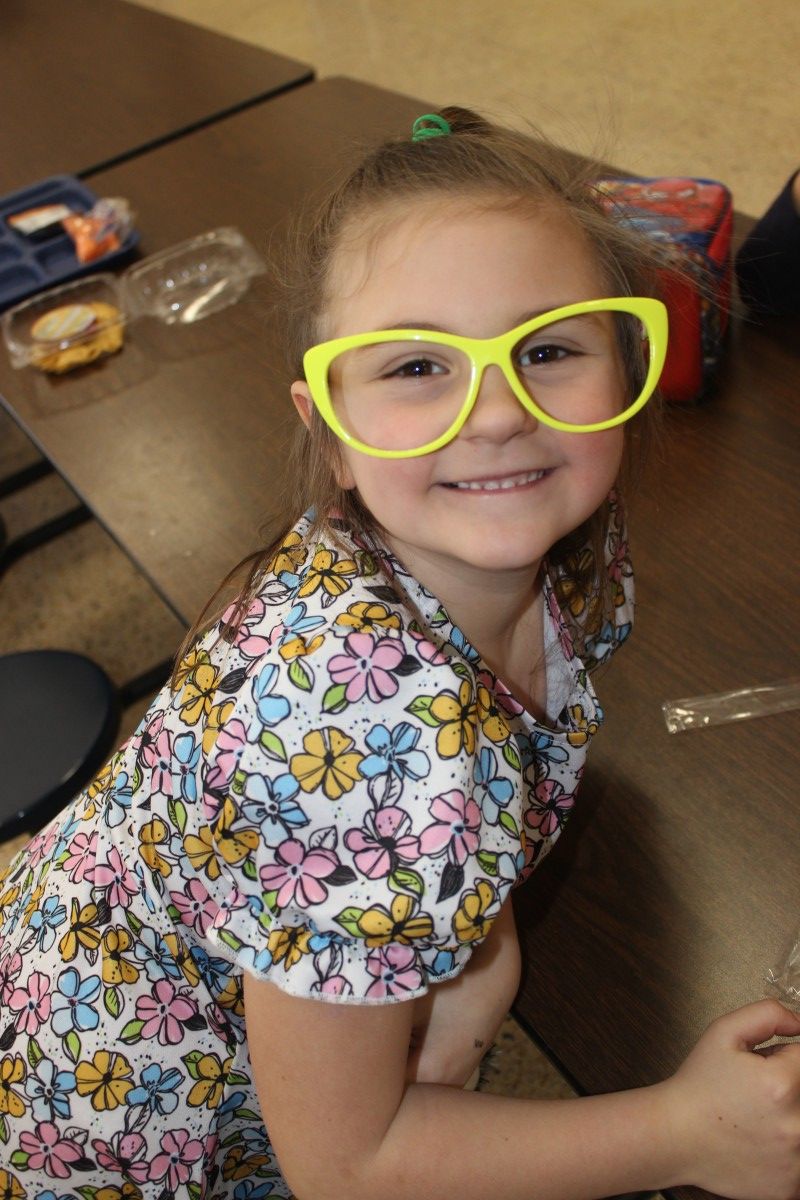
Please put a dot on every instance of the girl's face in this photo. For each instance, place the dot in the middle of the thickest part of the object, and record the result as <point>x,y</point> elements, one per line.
<point>478,273</point>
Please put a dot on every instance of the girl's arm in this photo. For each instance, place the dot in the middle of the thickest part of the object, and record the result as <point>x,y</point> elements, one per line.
<point>344,1123</point>
<point>455,1023</point>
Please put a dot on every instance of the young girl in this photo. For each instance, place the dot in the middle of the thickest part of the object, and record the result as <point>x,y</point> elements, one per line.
<point>267,948</point>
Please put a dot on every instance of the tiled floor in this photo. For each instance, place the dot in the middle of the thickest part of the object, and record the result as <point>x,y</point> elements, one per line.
<point>670,88</point>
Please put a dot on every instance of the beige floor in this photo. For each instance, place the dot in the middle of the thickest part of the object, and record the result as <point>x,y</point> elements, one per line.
<point>670,87</point>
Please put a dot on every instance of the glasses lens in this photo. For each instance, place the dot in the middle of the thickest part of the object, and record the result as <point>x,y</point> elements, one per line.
<point>398,395</point>
<point>582,369</point>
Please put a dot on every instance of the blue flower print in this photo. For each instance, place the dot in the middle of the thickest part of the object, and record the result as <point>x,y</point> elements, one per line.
<point>49,1195</point>
<point>48,1089</point>
<point>247,1190</point>
<point>259,961</point>
<point>609,637</point>
<point>118,800</point>
<point>157,1089</point>
<point>270,805</point>
<point>72,1003</point>
<point>540,748</point>
<point>394,752</point>
<point>227,1110</point>
<point>491,792</point>
<point>443,963</point>
<point>151,949</point>
<point>296,622</point>
<point>214,971</point>
<point>464,648</point>
<point>271,709</point>
<point>186,752</point>
<point>509,866</point>
<point>46,920</point>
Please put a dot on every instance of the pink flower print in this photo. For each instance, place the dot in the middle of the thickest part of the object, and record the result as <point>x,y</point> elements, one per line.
<point>32,1005</point>
<point>122,883</point>
<point>80,861</point>
<point>427,650</point>
<point>298,872</point>
<point>231,740</point>
<point>157,755</point>
<point>178,1152</point>
<point>10,968</point>
<point>550,809</point>
<point>381,841</point>
<point>366,666</point>
<point>125,1155</point>
<point>163,1011</point>
<point>455,828</point>
<point>195,906</point>
<point>46,1151</point>
<point>395,970</point>
<point>41,845</point>
<point>250,644</point>
<point>502,696</point>
<point>564,635</point>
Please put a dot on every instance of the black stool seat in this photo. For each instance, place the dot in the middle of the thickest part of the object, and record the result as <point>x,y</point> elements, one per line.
<point>59,716</point>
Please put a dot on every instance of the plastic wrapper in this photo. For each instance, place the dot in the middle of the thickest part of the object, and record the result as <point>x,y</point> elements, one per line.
<point>783,980</point>
<point>699,712</point>
<point>100,231</point>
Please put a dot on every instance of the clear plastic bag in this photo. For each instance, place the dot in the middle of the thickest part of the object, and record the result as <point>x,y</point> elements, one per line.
<point>698,712</point>
<point>783,981</point>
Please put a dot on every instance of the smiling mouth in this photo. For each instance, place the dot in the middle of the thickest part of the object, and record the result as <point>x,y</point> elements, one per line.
<point>506,484</point>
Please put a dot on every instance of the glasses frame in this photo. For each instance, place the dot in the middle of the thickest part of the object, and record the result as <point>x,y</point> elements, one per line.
<point>485,352</point>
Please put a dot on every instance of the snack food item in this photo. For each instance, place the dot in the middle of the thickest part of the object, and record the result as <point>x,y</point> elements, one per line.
<point>72,335</point>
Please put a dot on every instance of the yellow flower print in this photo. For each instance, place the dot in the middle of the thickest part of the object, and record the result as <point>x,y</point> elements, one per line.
<point>571,595</point>
<point>329,761</point>
<point>34,899</point>
<point>152,835</point>
<point>233,844</point>
<point>458,718</point>
<point>107,1079</point>
<point>491,719</point>
<point>219,714</point>
<point>290,555</point>
<point>365,617</point>
<point>298,647</point>
<point>82,931</point>
<point>584,728</point>
<point>183,959</point>
<point>100,782</point>
<point>402,924</point>
<point>10,1187</point>
<point>198,694</point>
<point>239,1165</point>
<point>470,921</point>
<point>188,666</point>
<point>232,996</point>
<point>12,1070</point>
<point>116,968</point>
<point>202,853</point>
<point>7,900</point>
<point>288,944</point>
<point>128,1191</point>
<point>209,1086</point>
<point>328,573</point>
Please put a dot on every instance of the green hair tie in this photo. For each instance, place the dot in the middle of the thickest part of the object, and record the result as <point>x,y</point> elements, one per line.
<point>437,127</point>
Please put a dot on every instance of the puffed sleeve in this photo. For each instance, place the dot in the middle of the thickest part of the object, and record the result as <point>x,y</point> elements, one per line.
<point>342,838</point>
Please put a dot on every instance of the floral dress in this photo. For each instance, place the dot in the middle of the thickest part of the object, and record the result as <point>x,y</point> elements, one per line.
<point>337,798</point>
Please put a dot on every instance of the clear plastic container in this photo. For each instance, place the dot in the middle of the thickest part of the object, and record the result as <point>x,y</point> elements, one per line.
<point>68,326</point>
<point>193,279</point>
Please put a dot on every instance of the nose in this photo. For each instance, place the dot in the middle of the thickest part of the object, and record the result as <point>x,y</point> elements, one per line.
<point>497,413</point>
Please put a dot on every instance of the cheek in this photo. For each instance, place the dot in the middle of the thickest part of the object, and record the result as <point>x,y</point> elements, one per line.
<point>599,455</point>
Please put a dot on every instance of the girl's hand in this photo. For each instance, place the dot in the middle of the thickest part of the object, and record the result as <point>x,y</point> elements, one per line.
<point>737,1109</point>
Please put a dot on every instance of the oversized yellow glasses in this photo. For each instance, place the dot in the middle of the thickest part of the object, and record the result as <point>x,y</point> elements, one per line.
<point>399,393</point>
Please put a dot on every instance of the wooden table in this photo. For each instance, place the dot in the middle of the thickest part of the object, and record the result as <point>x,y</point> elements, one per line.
<point>190,433</point>
<point>91,82</point>
<point>674,886</point>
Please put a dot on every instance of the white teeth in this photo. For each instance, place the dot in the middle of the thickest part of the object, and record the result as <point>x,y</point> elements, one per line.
<point>500,485</point>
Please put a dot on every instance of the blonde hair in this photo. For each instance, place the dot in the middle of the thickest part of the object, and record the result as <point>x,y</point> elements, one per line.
<point>484,165</point>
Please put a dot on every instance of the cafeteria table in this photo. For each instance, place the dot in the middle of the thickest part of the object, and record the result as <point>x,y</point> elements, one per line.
<point>90,82</point>
<point>673,889</point>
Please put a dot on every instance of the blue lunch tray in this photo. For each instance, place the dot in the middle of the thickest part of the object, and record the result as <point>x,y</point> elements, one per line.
<point>28,266</point>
